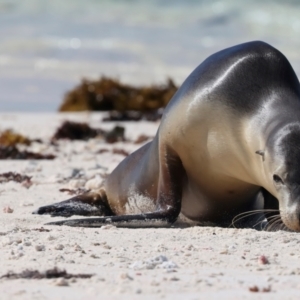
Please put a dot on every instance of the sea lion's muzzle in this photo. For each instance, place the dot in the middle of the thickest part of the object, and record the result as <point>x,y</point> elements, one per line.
<point>290,210</point>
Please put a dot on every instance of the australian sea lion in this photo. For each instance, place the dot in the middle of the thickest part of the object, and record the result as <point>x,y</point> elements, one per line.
<point>228,143</point>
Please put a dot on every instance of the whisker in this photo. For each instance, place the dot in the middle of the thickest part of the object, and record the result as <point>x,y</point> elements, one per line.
<point>259,222</point>
<point>275,223</point>
<point>249,213</point>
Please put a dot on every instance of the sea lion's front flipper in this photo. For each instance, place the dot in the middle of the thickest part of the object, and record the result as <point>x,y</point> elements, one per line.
<point>89,204</point>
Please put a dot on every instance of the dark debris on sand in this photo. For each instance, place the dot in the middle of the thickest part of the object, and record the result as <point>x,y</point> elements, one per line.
<point>82,131</point>
<point>121,116</point>
<point>110,94</point>
<point>48,274</point>
<point>42,229</point>
<point>75,131</point>
<point>117,134</point>
<point>12,176</point>
<point>114,151</point>
<point>12,152</point>
<point>8,147</point>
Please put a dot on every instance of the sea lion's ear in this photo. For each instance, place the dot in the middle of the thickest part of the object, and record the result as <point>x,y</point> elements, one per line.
<point>262,153</point>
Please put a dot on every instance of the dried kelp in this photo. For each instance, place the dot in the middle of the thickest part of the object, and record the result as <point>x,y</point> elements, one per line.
<point>117,134</point>
<point>120,116</point>
<point>82,131</point>
<point>120,152</point>
<point>48,274</point>
<point>110,94</point>
<point>12,176</point>
<point>75,131</point>
<point>10,138</point>
<point>42,229</point>
<point>12,152</point>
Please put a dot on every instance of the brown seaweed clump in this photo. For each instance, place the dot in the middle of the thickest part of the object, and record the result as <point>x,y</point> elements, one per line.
<point>82,131</point>
<point>109,94</point>
<point>8,149</point>
<point>75,131</point>
<point>10,138</point>
<point>12,176</point>
<point>12,152</point>
<point>130,115</point>
<point>117,134</point>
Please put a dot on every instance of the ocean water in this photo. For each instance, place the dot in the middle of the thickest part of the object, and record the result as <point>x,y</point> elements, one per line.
<point>46,47</point>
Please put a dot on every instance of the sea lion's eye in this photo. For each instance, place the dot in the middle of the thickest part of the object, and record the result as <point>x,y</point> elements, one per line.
<point>277,179</point>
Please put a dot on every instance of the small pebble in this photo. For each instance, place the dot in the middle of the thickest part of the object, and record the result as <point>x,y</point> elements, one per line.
<point>106,246</point>
<point>40,248</point>
<point>263,260</point>
<point>125,276</point>
<point>77,248</point>
<point>174,278</point>
<point>8,210</point>
<point>51,238</point>
<point>61,282</point>
<point>59,247</point>
<point>254,289</point>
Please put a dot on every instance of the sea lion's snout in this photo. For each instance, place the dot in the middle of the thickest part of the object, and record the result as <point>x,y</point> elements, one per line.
<point>290,210</point>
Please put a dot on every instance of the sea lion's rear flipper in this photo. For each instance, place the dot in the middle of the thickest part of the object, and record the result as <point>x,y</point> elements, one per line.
<point>168,204</point>
<point>156,219</point>
<point>89,204</point>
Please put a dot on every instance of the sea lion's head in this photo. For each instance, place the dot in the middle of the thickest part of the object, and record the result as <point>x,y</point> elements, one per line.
<point>282,162</point>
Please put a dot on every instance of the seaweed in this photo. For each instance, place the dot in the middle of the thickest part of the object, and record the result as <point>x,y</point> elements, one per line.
<point>109,94</point>
<point>48,274</point>
<point>42,229</point>
<point>120,152</point>
<point>120,116</point>
<point>114,151</point>
<point>12,176</point>
<point>10,138</point>
<point>103,150</point>
<point>82,131</point>
<point>115,135</point>
<point>75,131</point>
<point>12,152</point>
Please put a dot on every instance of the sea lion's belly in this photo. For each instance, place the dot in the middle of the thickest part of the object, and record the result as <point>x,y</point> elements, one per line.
<point>210,198</point>
<point>217,181</point>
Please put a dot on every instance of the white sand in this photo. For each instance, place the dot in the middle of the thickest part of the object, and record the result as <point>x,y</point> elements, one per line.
<point>196,262</point>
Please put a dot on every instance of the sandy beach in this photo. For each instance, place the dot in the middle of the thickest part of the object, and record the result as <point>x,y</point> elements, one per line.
<point>157,263</point>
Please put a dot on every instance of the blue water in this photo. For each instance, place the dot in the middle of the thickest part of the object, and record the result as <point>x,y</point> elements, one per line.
<point>46,47</point>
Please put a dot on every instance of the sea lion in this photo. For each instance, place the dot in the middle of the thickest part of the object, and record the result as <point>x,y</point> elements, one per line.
<point>228,144</point>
